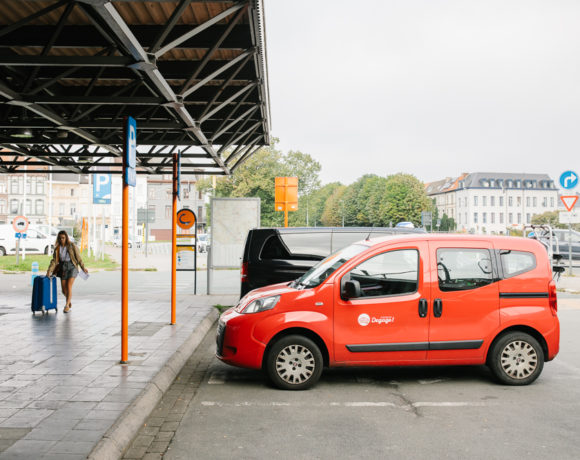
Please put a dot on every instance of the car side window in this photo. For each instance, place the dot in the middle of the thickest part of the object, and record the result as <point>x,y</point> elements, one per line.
<point>462,269</point>
<point>517,262</point>
<point>390,273</point>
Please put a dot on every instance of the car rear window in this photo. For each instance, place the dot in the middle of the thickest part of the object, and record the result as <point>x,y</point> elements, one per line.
<point>463,269</point>
<point>517,262</point>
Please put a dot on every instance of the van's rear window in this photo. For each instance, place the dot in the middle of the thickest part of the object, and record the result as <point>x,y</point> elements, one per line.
<point>517,262</point>
<point>305,246</point>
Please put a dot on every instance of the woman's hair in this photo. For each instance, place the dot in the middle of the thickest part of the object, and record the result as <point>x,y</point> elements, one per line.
<point>66,243</point>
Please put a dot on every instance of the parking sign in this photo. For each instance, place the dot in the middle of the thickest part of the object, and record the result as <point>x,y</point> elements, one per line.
<point>130,151</point>
<point>102,189</point>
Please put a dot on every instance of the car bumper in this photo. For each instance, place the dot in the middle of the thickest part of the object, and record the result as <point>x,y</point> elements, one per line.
<point>235,342</point>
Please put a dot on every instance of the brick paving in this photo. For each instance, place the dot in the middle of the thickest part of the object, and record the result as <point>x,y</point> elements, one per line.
<point>61,384</point>
<point>155,436</point>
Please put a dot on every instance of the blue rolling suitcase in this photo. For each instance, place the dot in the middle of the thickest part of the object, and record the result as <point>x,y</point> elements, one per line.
<point>44,294</point>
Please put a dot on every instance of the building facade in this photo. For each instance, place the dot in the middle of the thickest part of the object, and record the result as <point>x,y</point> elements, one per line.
<point>494,203</point>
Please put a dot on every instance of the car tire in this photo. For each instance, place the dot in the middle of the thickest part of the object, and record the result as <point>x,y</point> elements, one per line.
<point>47,250</point>
<point>294,363</point>
<point>2,251</point>
<point>516,359</point>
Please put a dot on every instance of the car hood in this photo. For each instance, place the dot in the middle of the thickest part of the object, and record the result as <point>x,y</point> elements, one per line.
<point>267,291</point>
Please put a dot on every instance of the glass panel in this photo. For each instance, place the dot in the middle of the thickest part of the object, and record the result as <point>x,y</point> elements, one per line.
<point>517,262</point>
<point>390,273</point>
<point>463,269</point>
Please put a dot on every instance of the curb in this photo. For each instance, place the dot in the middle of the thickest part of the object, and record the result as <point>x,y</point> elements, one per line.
<point>118,438</point>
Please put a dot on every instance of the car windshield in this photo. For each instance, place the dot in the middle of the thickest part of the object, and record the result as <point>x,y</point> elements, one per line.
<point>323,269</point>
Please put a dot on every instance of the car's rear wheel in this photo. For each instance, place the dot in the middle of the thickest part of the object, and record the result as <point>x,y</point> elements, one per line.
<point>294,363</point>
<point>516,359</point>
<point>47,250</point>
<point>2,251</point>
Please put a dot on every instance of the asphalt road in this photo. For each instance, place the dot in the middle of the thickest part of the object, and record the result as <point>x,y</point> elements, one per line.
<point>443,412</point>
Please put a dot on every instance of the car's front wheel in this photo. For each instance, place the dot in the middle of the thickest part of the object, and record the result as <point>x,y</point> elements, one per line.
<point>516,359</point>
<point>294,363</point>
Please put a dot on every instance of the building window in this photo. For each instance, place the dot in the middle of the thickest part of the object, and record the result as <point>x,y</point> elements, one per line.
<point>39,185</point>
<point>14,207</point>
<point>28,183</point>
<point>528,201</point>
<point>2,206</point>
<point>61,209</point>
<point>459,219</point>
<point>501,200</point>
<point>28,207</point>
<point>14,185</point>
<point>484,218</point>
<point>475,200</point>
<point>73,209</point>
<point>544,202</point>
<point>519,217</point>
<point>39,207</point>
<point>72,193</point>
<point>484,201</point>
<point>492,200</point>
<point>519,201</point>
<point>528,218</point>
<point>151,193</point>
<point>501,217</point>
<point>510,201</point>
<point>2,187</point>
<point>551,201</point>
<point>492,217</point>
<point>510,218</point>
<point>475,218</point>
<point>168,212</point>
<point>535,202</point>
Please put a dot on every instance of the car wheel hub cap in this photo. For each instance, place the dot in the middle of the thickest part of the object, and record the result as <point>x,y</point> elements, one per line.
<point>295,364</point>
<point>519,359</point>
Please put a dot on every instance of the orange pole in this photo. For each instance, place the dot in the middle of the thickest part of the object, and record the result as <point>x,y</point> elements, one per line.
<point>125,274</point>
<point>174,240</point>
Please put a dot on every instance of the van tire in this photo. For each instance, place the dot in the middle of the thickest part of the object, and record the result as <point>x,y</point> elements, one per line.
<point>2,251</point>
<point>47,250</point>
<point>516,359</point>
<point>294,363</point>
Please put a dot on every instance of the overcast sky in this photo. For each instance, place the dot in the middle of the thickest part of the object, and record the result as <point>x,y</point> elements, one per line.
<point>428,87</point>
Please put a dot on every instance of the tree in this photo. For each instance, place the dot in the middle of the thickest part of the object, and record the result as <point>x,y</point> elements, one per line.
<point>332,215</point>
<point>404,199</point>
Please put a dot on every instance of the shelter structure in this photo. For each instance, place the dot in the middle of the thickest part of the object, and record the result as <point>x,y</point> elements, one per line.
<point>193,73</point>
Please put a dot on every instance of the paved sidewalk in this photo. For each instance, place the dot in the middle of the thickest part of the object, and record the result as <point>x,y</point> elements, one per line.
<point>63,393</point>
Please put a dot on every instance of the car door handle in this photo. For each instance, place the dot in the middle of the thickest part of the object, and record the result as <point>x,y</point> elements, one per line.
<point>423,306</point>
<point>437,308</point>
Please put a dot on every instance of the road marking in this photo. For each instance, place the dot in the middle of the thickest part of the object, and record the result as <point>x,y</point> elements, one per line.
<point>350,404</point>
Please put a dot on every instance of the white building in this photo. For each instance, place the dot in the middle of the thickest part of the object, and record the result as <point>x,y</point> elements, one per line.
<point>493,203</point>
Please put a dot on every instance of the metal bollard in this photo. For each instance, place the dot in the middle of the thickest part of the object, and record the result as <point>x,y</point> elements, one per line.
<point>34,270</point>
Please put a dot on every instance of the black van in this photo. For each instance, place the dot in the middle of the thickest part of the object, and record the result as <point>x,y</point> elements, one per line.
<point>275,255</point>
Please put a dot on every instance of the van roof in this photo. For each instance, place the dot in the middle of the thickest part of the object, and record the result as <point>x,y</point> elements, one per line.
<point>371,230</point>
<point>496,240</point>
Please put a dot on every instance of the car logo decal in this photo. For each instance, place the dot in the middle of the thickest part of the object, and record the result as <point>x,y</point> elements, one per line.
<point>364,319</point>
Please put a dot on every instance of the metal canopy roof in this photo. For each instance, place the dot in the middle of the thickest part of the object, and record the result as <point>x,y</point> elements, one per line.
<point>193,74</point>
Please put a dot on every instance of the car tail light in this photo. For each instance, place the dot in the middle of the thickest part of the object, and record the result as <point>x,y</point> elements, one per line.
<point>244,272</point>
<point>552,297</point>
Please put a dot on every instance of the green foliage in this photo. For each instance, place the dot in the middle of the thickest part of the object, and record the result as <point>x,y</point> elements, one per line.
<point>404,199</point>
<point>548,218</point>
<point>333,208</point>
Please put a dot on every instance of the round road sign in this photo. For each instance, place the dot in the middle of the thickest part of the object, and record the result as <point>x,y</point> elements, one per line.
<point>20,224</point>
<point>185,218</point>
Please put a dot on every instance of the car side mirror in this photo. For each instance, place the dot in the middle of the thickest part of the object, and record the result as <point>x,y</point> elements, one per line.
<point>350,290</point>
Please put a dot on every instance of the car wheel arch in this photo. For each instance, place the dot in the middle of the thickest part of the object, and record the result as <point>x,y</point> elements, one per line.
<point>299,331</point>
<point>520,328</point>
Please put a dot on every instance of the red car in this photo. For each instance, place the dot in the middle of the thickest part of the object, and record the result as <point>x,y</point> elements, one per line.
<point>403,300</point>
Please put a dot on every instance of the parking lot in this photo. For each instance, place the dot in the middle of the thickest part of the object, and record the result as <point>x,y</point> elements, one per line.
<point>437,412</point>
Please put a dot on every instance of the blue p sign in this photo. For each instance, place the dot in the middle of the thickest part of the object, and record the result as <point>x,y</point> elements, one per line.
<point>102,189</point>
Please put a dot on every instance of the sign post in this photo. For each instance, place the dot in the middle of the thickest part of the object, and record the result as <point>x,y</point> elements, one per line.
<point>569,180</point>
<point>286,195</point>
<point>129,180</point>
<point>20,225</point>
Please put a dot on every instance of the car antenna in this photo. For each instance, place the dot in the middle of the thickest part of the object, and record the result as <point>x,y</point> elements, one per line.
<point>369,235</point>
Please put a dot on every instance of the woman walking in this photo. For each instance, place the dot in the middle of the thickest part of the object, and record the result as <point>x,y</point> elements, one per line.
<point>65,263</point>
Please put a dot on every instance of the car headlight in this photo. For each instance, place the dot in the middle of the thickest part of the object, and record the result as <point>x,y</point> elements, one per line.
<point>258,305</point>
